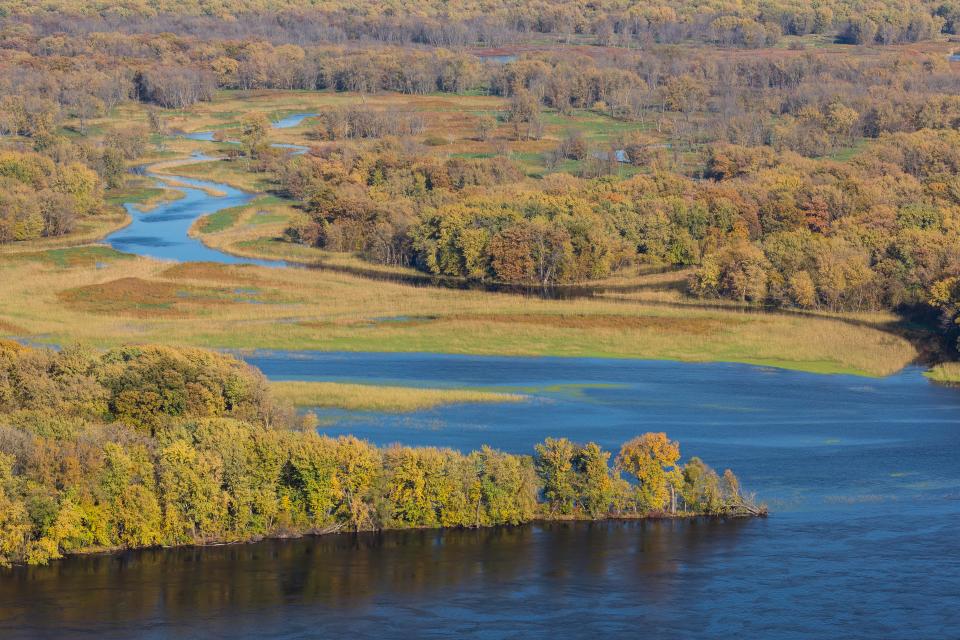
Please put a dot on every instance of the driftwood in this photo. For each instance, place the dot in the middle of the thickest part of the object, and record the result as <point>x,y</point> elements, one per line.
<point>747,511</point>
<point>745,507</point>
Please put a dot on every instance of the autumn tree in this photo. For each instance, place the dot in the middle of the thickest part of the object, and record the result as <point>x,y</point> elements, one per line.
<point>524,115</point>
<point>254,128</point>
<point>652,460</point>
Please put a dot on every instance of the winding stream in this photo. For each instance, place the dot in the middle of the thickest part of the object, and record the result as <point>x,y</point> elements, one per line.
<point>862,477</point>
<point>163,231</point>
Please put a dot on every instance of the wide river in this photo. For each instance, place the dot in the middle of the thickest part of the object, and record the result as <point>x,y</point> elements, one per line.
<point>862,477</point>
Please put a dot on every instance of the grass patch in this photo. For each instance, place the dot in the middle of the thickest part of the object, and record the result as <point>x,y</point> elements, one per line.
<point>947,373</point>
<point>143,193</point>
<point>152,299</point>
<point>10,329</point>
<point>73,257</point>
<point>220,221</point>
<point>249,307</point>
<point>361,397</point>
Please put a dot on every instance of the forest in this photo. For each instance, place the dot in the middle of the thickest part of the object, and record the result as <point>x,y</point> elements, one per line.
<point>749,24</point>
<point>146,446</point>
<point>801,179</point>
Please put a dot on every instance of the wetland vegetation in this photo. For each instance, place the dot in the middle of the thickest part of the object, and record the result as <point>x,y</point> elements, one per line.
<point>361,397</point>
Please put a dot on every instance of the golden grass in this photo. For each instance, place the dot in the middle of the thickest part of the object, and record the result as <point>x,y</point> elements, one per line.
<point>162,196</point>
<point>317,309</point>
<point>361,397</point>
<point>945,373</point>
<point>173,183</point>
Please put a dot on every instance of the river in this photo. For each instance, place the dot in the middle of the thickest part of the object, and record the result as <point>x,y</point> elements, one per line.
<point>162,231</point>
<point>862,477</point>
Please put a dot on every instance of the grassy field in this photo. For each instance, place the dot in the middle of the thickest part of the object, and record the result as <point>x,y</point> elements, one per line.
<point>359,397</point>
<point>101,297</point>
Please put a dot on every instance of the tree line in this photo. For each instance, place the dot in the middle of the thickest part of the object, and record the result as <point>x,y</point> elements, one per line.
<point>763,227</point>
<point>746,24</point>
<point>147,446</point>
<point>809,102</point>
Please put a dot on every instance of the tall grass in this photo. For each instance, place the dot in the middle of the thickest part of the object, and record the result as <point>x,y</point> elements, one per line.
<point>360,397</point>
<point>945,373</point>
<point>309,309</point>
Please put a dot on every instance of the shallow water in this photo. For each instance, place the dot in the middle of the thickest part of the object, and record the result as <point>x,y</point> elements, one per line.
<point>292,120</point>
<point>499,59</point>
<point>863,478</point>
<point>162,232</point>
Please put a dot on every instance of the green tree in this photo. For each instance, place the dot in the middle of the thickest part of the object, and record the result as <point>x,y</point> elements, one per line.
<point>254,128</point>
<point>594,485</point>
<point>554,464</point>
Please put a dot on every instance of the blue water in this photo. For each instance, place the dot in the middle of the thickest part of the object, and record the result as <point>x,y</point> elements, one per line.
<point>804,442</point>
<point>499,59</point>
<point>862,476</point>
<point>296,149</point>
<point>203,136</point>
<point>162,232</point>
<point>292,120</point>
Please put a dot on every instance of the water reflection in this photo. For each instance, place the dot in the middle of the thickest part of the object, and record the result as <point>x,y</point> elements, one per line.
<point>219,589</point>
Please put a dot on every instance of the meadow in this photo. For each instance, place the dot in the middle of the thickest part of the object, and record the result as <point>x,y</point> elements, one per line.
<point>104,298</point>
<point>94,295</point>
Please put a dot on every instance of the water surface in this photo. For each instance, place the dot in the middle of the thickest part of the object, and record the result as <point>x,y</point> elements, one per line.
<point>163,231</point>
<point>863,477</point>
<point>292,120</point>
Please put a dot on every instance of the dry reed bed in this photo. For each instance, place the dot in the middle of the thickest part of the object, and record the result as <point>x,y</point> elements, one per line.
<point>361,397</point>
<point>209,305</point>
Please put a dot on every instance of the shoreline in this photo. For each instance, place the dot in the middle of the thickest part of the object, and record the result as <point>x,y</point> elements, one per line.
<point>342,531</point>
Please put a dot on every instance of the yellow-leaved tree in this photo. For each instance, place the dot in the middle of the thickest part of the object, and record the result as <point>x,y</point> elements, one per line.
<point>653,459</point>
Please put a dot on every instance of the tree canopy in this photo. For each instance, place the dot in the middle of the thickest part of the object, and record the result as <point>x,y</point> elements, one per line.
<point>149,445</point>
